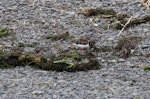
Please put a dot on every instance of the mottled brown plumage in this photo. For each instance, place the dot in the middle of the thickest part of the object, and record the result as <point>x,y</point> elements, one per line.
<point>83,40</point>
<point>86,40</point>
<point>126,49</point>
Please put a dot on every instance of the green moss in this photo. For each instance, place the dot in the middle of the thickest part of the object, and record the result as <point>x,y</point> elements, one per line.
<point>65,61</point>
<point>4,32</point>
<point>76,56</point>
<point>146,68</point>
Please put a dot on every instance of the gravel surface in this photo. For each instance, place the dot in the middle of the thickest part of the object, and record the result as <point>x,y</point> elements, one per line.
<point>31,23</point>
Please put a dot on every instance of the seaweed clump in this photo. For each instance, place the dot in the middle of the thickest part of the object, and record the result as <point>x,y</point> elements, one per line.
<point>133,22</point>
<point>146,68</point>
<point>71,62</point>
<point>8,60</point>
<point>118,19</point>
<point>67,65</point>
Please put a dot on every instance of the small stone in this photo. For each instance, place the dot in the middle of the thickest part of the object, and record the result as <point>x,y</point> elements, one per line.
<point>145,30</point>
<point>38,92</point>
<point>128,63</point>
<point>111,38</point>
<point>121,60</point>
<point>70,13</point>
<point>103,60</point>
<point>95,24</point>
<point>145,46</point>
<point>113,61</point>
<point>50,91</point>
<point>55,96</point>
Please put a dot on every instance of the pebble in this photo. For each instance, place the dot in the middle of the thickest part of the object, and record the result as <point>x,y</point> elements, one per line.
<point>111,38</point>
<point>121,60</point>
<point>145,30</point>
<point>113,61</point>
<point>37,92</point>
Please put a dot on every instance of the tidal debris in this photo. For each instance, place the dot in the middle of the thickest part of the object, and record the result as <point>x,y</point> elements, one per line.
<point>87,11</point>
<point>118,19</point>
<point>68,62</point>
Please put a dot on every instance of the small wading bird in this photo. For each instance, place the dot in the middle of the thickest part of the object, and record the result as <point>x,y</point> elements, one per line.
<point>127,50</point>
<point>85,44</point>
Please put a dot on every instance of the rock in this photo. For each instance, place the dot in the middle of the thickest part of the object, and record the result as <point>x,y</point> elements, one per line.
<point>113,61</point>
<point>145,30</point>
<point>37,92</point>
<point>121,60</point>
<point>111,38</point>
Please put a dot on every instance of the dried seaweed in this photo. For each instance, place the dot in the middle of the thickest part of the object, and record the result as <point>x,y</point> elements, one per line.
<point>66,62</point>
